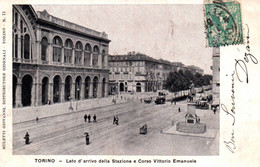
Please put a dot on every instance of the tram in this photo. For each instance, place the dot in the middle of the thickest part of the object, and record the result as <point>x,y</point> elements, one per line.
<point>161,98</point>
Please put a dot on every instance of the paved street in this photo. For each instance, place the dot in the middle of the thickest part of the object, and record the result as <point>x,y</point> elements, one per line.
<point>64,134</point>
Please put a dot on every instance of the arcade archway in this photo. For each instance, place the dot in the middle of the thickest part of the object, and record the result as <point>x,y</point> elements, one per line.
<point>45,89</point>
<point>56,89</point>
<point>27,90</point>
<point>68,83</point>
<point>95,87</point>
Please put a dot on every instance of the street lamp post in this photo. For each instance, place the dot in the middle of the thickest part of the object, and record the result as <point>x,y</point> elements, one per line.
<point>70,99</point>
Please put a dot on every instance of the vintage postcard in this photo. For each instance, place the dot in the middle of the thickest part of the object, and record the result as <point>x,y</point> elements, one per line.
<point>130,83</point>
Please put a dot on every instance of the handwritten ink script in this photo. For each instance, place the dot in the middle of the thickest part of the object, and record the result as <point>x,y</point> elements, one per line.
<point>242,73</point>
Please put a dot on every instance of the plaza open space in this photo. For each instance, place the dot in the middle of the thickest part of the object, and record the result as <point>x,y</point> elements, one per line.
<point>60,130</point>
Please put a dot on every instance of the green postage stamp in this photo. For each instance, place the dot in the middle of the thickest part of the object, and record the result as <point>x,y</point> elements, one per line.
<point>223,23</point>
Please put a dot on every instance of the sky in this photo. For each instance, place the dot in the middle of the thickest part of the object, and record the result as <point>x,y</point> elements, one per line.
<point>171,32</point>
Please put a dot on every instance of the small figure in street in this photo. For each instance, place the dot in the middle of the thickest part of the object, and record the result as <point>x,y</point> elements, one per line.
<point>198,120</point>
<point>141,100</point>
<point>115,121</point>
<point>27,139</point>
<point>114,100</point>
<point>171,101</point>
<point>85,117</point>
<point>87,138</point>
<point>89,118</point>
<point>179,109</point>
<point>37,119</point>
<point>94,118</point>
<point>174,102</point>
<point>214,110</point>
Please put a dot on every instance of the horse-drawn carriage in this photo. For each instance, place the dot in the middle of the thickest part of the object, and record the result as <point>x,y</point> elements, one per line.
<point>148,100</point>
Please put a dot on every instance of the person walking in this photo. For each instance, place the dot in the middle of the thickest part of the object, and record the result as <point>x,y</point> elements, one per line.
<point>89,118</point>
<point>214,110</point>
<point>37,119</point>
<point>117,120</point>
<point>27,139</point>
<point>179,109</point>
<point>87,138</point>
<point>94,118</point>
<point>85,117</point>
<point>114,120</point>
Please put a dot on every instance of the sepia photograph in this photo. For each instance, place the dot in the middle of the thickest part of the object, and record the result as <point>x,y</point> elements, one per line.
<point>129,83</point>
<point>118,79</point>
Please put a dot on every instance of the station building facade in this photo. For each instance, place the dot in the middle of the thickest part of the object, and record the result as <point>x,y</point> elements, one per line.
<point>55,60</point>
<point>136,72</point>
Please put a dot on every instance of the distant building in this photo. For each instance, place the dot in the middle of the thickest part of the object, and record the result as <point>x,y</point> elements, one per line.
<point>55,60</point>
<point>195,69</point>
<point>139,73</point>
<point>216,76</point>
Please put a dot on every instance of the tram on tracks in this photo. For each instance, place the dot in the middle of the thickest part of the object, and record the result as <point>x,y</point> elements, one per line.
<point>161,98</point>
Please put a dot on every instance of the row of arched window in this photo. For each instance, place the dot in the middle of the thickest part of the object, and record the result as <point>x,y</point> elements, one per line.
<point>80,53</point>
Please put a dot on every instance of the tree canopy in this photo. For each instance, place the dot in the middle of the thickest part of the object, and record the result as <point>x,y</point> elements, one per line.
<point>180,80</point>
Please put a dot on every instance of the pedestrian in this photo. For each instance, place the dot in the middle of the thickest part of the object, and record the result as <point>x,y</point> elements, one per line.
<point>179,109</point>
<point>37,119</point>
<point>85,117</point>
<point>214,110</point>
<point>141,100</point>
<point>89,118</point>
<point>114,121</point>
<point>117,120</point>
<point>87,138</point>
<point>94,118</point>
<point>174,102</point>
<point>27,139</point>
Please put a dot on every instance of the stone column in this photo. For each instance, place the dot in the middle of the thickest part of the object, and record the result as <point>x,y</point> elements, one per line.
<point>82,58</point>
<point>72,93</point>
<point>50,53</point>
<point>38,93</point>
<point>82,91</point>
<point>62,55</point>
<point>62,89</point>
<point>99,89</point>
<point>106,88</point>
<point>99,60</point>
<point>50,92</point>
<point>18,93</point>
<point>19,47</point>
<point>73,57</point>
<point>91,59</point>
<point>90,90</point>
<point>38,52</point>
<point>33,93</point>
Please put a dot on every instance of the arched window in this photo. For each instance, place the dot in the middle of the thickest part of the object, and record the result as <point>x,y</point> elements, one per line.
<point>44,45</point>
<point>87,55</point>
<point>16,46</point>
<point>16,18</point>
<point>78,53</point>
<point>21,26</point>
<point>103,58</point>
<point>57,44</point>
<point>68,51</point>
<point>27,46</point>
<point>95,56</point>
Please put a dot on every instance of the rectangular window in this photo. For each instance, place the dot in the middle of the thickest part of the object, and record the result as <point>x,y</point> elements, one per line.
<point>56,54</point>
